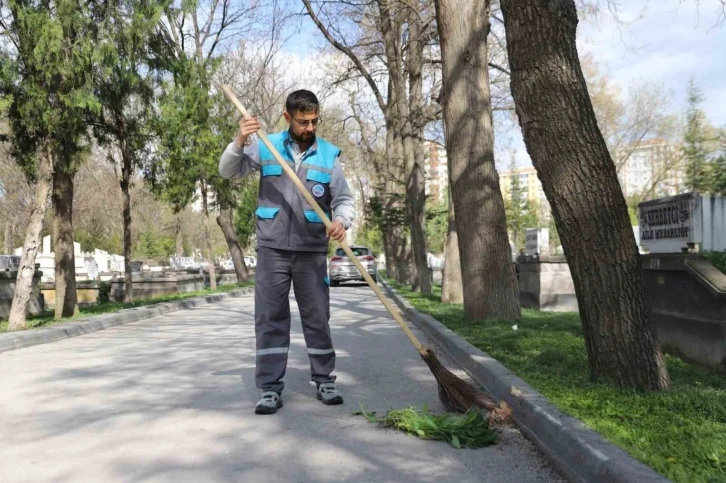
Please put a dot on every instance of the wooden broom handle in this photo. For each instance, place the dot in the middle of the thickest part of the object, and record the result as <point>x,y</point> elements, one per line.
<point>311,201</point>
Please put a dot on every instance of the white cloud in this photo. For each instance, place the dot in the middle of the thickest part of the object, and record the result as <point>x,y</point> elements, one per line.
<point>672,41</point>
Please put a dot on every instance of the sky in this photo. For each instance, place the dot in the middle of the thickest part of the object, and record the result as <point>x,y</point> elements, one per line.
<point>665,41</point>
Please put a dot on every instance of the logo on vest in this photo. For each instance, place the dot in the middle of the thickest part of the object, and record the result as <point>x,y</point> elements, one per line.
<point>318,190</point>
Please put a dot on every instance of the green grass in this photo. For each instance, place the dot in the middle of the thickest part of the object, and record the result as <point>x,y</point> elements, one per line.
<point>718,259</point>
<point>46,319</point>
<point>470,430</point>
<point>680,433</point>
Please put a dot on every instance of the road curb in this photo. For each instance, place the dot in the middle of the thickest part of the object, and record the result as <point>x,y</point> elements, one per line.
<point>579,453</point>
<point>10,341</point>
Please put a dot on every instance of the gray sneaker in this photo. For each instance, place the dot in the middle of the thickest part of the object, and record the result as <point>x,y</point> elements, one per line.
<point>269,403</point>
<point>328,394</point>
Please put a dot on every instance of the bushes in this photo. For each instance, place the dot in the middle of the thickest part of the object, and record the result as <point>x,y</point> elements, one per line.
<point>718,259</point>
<point>104,292</point>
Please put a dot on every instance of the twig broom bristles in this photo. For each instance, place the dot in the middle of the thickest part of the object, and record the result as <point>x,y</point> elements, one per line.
<point>455,393</point>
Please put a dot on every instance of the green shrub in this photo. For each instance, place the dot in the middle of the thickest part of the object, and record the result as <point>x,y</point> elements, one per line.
<point>104,292</point>
<point>718,259</point>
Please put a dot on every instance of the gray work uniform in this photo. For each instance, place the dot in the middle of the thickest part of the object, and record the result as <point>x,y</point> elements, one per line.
<point>291,249</point>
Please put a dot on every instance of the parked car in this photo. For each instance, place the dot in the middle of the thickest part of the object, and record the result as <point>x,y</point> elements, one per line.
<point>342,269</point>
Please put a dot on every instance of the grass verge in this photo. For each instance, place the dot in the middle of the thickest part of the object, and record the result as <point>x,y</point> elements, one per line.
<point>718,259</point>
<point>46,319</point>
<point>680,433</point>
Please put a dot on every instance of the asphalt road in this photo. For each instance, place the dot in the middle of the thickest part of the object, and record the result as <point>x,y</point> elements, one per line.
<point>170,399</point>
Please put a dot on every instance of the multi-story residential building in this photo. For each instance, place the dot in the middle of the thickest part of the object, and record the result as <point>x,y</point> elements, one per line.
<point>650,169</point>
<point>436,169</point>
<point>529,184</point>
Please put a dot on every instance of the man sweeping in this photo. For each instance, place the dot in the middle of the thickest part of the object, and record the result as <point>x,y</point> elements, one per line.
<point>292,243</point>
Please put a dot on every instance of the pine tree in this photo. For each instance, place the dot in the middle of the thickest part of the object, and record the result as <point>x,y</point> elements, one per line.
<point>695,153</point>
<point>125,86</point>
<point>46,80</point>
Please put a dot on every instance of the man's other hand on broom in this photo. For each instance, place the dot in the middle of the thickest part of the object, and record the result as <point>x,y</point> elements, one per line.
<point>246,127</point>
<point>336,231</point>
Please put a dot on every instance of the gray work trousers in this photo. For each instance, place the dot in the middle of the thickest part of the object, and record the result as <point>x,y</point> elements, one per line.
<point>308,272</point>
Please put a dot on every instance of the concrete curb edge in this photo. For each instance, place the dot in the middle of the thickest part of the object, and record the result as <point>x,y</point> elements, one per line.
<point>579,453</point>
<point>10,341</point>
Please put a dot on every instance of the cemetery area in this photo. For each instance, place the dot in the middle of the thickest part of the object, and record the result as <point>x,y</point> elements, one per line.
<point>680,432</point>
<point>587,254</point>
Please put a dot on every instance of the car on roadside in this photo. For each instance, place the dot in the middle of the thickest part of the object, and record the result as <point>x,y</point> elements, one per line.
<point>342,269</point>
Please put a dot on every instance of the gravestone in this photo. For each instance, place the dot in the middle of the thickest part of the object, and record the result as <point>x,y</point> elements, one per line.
<point>7,290</point>
<point>91,268</point>
<point>537,241</point>
<point>9,263</point>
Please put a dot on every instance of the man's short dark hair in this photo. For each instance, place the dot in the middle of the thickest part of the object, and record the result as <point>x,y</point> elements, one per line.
<point>301,101</point>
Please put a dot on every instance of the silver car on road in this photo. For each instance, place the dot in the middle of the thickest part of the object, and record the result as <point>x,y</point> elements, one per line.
<point>342,269</point>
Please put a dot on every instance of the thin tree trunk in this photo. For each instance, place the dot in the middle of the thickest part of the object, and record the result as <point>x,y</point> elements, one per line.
<point>415,183</point>
<point>391,19</point>
<point>404,256</point>
<point>579,178</point>
<point>394,241</point>
<point>225,220</point>
<point>179,236</point>
<point>26,270</point>
<point>125,187</point>
<point>451,288</point>
<point>9,235</point>
<point>490,283</point>
<point>208,239</point>
<point>65,260</point>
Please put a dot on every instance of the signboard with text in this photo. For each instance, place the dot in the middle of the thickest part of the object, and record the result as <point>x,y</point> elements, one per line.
<point>667,225</point>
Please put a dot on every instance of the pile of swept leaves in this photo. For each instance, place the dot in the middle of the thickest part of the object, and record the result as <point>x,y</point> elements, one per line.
<point>470,430</point>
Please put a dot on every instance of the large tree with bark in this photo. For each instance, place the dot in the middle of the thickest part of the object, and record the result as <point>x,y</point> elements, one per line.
<point>487,272</point>
<point>46,80</point>
<point>390,57</point>
<point>195,118</point>
<point>580,181</point>
<point>126,89</point>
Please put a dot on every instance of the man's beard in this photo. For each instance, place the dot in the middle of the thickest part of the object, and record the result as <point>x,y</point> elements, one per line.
<point>305,138</point>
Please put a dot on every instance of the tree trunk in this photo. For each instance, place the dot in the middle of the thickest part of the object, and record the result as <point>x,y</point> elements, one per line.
<point>9,236</point>
<point>451,288</point>
<point>65,260</point>
<point>579,178</point>
<point>394,238</point>
<point>178,236</point>
<point>397,136</point>
<point>26,270</point>
<point>402,251</point>
<point>125,187</point>
<point>225,220</point>
<point>415,183</point>
<point>490,283</point>
<point>208,239</point>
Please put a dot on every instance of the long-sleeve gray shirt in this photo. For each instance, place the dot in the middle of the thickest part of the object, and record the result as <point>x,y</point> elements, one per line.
<point>237,162</point>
